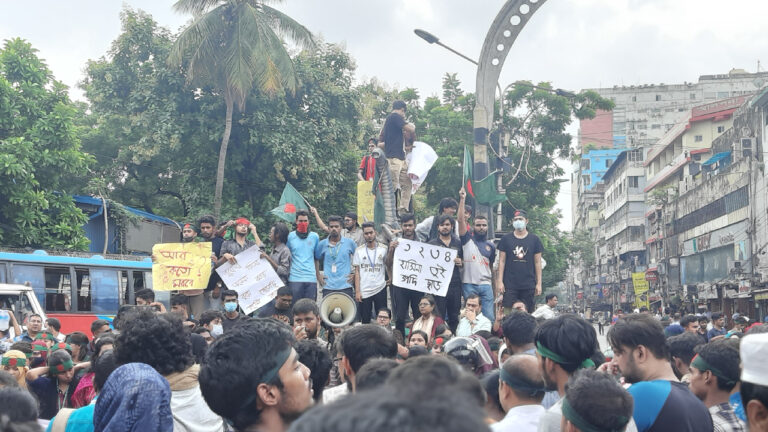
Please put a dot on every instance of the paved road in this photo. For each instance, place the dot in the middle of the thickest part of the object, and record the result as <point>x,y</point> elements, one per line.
<point>601,338</point>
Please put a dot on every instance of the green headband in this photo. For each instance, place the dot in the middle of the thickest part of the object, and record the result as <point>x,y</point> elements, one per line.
<point>557,358</point>
<point>62,345</point>
<point>14,361</point>
<point>583,425</point>
<point>266,377</point>
<point>61,367</point>
<point>39,347</point>
<point>702,365</point>
<point>280,358</point>
<point>519,385</point>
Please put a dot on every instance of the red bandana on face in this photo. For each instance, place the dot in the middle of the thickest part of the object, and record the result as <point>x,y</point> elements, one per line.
<point>302,227</point>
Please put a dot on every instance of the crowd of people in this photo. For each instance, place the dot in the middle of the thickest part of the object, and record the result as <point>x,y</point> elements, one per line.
<point>479,358</point>
<point>151,372</point>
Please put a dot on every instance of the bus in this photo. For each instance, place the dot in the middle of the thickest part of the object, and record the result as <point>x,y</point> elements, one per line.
<point>78,288</point>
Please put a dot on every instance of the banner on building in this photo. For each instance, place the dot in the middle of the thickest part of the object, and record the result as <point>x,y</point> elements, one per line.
<point>422,267</point>
<point>640,285</point>
<point>181,266</point>
<point>365,200</point>
<point>254,279</point>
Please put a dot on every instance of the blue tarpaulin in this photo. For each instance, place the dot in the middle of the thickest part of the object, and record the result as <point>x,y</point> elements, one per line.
<point>717,157</point>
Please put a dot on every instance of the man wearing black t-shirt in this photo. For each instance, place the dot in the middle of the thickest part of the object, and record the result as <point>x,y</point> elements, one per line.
<point>391,140</point>
<point>519,275</point>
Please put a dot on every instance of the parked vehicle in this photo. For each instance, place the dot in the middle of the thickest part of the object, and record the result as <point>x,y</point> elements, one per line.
<point>76,288</point>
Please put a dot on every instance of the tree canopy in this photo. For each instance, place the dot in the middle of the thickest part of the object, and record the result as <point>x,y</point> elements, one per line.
<point>39,154</point>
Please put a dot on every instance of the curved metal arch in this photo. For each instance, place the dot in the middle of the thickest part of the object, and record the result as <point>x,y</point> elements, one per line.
<point>507,25</point>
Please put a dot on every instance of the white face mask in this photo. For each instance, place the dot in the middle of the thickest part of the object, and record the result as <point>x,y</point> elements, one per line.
<point>519,225</point>
<point>217,331</point>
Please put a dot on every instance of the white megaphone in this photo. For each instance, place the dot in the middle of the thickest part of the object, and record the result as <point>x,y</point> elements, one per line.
<point>338,310</point>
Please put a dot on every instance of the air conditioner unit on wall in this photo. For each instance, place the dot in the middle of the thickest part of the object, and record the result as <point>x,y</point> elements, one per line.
<point>746,147</point>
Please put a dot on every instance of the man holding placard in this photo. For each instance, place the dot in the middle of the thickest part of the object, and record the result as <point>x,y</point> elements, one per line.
<point>401,293</point>
<point>450,305</point>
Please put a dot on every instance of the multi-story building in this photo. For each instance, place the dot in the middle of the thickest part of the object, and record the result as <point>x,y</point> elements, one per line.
<point>623,226</point>
<point>674,168</point>
<point>644,113</point>
<point>657,119</point>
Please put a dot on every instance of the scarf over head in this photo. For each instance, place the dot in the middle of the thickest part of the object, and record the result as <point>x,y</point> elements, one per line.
<point>18,359</point>
<point>134,398</point>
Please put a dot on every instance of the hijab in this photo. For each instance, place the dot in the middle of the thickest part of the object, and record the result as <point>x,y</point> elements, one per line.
<point>134,398</point>
<point>16,354</point>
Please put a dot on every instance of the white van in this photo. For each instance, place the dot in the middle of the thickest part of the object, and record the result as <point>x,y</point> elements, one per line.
<point>22,301</point>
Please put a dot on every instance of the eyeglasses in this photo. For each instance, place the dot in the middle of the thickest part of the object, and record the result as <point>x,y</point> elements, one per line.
<point>382,317</point>
<point>424,304</point>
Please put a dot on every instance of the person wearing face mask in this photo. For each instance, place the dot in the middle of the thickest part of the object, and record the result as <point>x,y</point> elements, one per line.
<point>211,321</point>
<point>479,254</point>
<point>519,274</point>
<point>231,315</point>
<point>302,243</point>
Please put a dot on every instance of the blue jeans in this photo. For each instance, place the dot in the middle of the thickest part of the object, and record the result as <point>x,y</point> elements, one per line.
<point>486,298</point>
<point>301,290</point>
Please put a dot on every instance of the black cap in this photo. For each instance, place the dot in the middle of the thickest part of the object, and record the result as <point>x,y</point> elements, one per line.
<point>520,213</point>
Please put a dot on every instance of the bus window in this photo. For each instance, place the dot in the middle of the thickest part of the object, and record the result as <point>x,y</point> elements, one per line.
<point>2,273</point>
<point>83,289</point>
<point>104,290</point>
<point>58,289</point>
<point>123,283</point>
<point>31,275</point>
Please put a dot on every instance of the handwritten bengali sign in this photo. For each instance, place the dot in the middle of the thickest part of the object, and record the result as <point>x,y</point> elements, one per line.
<point>181,266</point>
<point>423,267</point>
<point>254,279</point>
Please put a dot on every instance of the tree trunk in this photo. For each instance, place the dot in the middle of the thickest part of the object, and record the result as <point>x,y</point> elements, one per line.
<point>223,157</point>
<point>106,224</point>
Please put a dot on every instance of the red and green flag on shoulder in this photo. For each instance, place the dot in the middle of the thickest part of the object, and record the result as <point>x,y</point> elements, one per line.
<point>483,191</point>
<point>290,201</point>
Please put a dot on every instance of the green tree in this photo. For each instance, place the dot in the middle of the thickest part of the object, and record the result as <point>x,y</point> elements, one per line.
<point>39,155</point>
<point>232,45</point>
<point>146,128</point>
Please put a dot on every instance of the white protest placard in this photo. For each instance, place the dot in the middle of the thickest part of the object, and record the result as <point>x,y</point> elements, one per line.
<point>423,267</point>
<point>254,279</point>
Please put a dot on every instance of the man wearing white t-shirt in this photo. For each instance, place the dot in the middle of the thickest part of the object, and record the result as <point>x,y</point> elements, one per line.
<point>370,274</point>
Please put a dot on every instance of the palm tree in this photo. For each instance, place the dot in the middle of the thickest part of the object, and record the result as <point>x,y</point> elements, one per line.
<point>233,44</point>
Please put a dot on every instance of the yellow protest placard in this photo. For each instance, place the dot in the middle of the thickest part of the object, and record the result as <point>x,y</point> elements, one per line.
<point>181,266</point>
<point>365,201</point>
<point>640,285</point>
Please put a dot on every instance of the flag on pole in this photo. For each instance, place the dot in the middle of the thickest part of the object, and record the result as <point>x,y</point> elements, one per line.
<point>483,191</point>
<point>290,201</point>
<point>467,174</point>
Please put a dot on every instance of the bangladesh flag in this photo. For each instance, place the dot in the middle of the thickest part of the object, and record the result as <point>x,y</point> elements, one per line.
<point>290,201</point>
<point>483,191</point>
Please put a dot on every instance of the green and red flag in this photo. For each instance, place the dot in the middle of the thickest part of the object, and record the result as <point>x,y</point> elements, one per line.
<point>467,164</point>
<point>290,201</point>
<point>483,191</point>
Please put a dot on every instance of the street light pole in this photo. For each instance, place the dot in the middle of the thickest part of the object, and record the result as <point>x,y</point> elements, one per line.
<point>507,25</point>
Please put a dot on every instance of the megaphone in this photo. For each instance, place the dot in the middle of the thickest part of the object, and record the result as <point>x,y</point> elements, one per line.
<point>338,309</point>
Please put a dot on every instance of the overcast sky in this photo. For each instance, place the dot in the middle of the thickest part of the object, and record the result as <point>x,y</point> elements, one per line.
<point>574,44</point>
